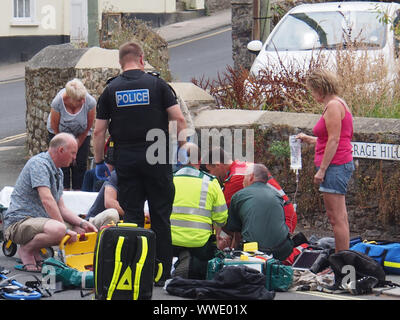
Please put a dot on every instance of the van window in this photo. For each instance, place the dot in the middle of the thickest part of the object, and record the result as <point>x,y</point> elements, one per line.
<point>328,30</point>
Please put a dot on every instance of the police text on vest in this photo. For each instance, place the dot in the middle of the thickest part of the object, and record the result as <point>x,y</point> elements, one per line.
<point>127,98</point>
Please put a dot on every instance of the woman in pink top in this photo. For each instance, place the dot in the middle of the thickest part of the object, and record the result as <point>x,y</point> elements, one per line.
<point>333,151</point>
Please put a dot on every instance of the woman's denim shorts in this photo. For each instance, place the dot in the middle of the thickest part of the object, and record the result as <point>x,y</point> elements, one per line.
<point>337,178</point>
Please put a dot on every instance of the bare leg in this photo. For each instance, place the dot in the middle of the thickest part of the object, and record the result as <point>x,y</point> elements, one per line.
<point>53,232</point>
<point>27,258</point>
<point>335,205</point>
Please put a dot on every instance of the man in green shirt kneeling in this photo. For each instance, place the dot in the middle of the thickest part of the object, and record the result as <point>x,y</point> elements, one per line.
<point>256,213</point>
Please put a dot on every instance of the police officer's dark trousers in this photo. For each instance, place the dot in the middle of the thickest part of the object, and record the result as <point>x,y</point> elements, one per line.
<point>139,181</point>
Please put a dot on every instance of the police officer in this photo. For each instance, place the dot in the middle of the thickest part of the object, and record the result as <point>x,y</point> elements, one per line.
<point>132,105</point>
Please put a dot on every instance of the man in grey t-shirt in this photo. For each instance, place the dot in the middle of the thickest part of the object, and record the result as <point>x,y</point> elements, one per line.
<point>37,215</point>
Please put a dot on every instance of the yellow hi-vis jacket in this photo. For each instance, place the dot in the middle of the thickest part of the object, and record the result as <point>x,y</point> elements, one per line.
<point>199,203</point>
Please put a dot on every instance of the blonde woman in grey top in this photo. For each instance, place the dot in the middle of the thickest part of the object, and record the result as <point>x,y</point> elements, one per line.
<point>73,111</point>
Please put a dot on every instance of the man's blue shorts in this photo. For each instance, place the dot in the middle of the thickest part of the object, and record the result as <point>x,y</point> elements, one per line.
<point>337,178</point>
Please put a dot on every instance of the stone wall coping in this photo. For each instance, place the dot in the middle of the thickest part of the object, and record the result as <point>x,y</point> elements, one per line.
<point>56,57</point>
<point>376,125</point>
<point>67,56</point>
<point>97,57</point>
<point>245,118</point>
<point>189,92</point>
<point>227,118</point>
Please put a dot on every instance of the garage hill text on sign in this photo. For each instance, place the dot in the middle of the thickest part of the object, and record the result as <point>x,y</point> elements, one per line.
<point>376,151</point>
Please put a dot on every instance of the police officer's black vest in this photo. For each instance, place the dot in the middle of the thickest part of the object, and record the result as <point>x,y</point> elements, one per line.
<point>137,108</point>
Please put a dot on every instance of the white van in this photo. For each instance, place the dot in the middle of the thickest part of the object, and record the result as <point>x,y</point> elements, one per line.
<point>311,29</point>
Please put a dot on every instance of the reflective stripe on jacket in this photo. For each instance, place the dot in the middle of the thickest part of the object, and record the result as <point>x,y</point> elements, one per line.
<point>290,212</point>
<point>198,205</point>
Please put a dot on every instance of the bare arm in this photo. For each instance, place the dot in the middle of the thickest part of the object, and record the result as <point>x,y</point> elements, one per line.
<point>50,204</point>
<point>99,139</point>
<point>306,138</point>
<point>111,200</point>
<point>68,215</point>
<point>90,119</point>
<point>175,114</point>
<point>55,121</point>
<point>235,237</point>
<point>74,219</point>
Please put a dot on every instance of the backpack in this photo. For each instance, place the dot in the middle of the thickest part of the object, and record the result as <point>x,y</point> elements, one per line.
<point>124,263</point>
<point>350,266</point>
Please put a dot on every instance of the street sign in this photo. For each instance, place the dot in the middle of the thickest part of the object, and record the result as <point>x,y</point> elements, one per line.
<point>376,151</point>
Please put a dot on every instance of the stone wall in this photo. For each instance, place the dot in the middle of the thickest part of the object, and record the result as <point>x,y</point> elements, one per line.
<point>242,24</point>
<point>217,5</point>
<point>41,87</point>
<point>45,74</point>
<point>372,201</point>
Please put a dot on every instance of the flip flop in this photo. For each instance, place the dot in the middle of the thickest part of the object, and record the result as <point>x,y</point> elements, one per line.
<point>39,262</point>
<point>23,267</point>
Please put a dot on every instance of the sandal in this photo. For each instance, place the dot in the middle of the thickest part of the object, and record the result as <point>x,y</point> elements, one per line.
<point>23,267</point>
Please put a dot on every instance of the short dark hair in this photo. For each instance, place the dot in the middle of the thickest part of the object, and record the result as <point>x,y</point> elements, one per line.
<point>130,51</point>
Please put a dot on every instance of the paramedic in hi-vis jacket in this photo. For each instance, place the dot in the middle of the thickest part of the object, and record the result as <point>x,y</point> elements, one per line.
<point>199,211</point>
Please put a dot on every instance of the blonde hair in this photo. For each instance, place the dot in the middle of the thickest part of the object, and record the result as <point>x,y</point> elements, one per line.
<point>75,89</point>
<point>323,81</point>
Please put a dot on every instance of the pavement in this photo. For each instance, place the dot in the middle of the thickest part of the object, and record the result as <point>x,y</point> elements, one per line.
<point>13,158</point>
<point>12,72</point>
<point>189,28</point>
